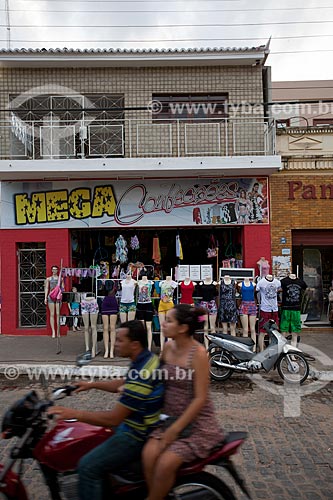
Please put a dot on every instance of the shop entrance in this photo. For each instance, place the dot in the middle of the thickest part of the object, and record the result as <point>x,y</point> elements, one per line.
<point>315,266</point>
<point>95,245</point>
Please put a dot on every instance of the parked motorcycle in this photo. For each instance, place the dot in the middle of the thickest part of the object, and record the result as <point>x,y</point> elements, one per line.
<point>58,451</point>
<point>229,354</point>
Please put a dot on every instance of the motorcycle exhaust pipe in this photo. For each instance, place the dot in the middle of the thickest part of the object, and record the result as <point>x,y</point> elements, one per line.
<point>232,367</point>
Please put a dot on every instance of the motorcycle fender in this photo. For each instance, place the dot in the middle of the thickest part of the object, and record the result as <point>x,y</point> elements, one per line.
<point>12,486</point>
<point>290,348</point>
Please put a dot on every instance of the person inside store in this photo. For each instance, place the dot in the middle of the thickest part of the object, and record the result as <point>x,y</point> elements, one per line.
<point>109,310</point>
<point>248,309</point>
<point>167,288</point>
<point>194,430</point>
<point>228,305</point>
<point>208,292</point>
<point>127,306</point>
<point>268,288</point>
<point>54,305</point>
<point>292,292</point>
<point>134,416</point>
<point>89,311</point>
<point>144,305</point>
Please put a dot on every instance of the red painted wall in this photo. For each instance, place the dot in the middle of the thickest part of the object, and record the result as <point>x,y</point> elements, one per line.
<point>256,244</point>
<point>57,242</point>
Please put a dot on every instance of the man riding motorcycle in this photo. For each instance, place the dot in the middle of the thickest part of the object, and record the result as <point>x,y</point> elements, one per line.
<point>135,415</point>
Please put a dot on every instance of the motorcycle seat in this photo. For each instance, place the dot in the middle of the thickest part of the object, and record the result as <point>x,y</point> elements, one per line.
<point>242,340</point>
<point>133,473</point>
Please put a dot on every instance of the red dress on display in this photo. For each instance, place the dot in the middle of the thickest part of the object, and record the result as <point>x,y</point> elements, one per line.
<point>187,292</point>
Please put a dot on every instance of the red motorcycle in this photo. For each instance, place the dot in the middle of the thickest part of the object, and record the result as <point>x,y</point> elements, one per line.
<point>59,450</point>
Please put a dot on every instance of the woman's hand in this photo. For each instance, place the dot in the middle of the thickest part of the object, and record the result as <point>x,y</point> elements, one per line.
<point>63,413</point>
<point>169,436</point>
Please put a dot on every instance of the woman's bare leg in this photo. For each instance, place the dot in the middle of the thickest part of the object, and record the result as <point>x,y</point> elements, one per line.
<point>164,475</point>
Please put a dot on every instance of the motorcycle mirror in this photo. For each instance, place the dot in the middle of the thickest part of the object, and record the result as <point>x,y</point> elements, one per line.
<point>84,359</point>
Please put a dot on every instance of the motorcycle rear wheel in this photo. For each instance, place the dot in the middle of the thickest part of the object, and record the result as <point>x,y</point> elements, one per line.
<point>202,485</point>
<point>219,373</point>
<point>285,368</point>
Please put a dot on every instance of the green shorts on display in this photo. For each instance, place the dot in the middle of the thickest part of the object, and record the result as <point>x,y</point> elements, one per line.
<point>290,321</point>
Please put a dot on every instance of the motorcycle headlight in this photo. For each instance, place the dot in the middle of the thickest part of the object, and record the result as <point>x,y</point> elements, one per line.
<point>19,416</point>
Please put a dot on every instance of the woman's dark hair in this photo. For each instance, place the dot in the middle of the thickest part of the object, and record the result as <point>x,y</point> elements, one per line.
<point>136,331</point>
<point>193,317</point>
<point>54,266</point>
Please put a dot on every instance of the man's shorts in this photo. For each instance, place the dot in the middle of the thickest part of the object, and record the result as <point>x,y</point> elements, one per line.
<point>291,321</point>
<point>126,307</point>
<point>266,316</point>
<point>144,311</point>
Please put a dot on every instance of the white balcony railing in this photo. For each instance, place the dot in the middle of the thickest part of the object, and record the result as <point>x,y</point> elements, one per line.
<point>136,138</point>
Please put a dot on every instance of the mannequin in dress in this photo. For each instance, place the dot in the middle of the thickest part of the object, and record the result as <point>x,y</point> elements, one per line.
<point>167,288</point>
<point>74,308</point>
<point>248,309</point>
<point>89,311</point>
<point>54,305</point>
<point>264,266</point>
<point>292,293</point>
<point>208,291</point>
<point>109,311</point>
<point>144,306</point>
<point>127,305</point>
<point>186,290</point>
<point>228,306</point>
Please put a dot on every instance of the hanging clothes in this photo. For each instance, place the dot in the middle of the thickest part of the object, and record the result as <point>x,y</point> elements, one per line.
<point>179,248</point>
<point>121,249</point>
<point>156,250</point>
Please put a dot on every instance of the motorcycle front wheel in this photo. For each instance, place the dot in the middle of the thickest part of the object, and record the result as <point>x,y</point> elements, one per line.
<point>217,372</point>
<point>293,368</point>
<point>201,486</point>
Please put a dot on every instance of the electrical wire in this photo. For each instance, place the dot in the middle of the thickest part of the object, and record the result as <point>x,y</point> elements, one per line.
<point>164,25</point>
<point>280,9</point>
<point>161,40</point>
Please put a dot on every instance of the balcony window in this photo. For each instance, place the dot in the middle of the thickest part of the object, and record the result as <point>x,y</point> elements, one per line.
<point>191,107</point>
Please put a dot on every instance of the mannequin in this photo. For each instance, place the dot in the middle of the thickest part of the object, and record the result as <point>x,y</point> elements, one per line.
<point>144,306</point>
<point>74,307</point>
<point>292,292</point>
<point>54,305</point>
<point>127,306</point>
<point>89,310</point>
<point>167,288</point>
<point>248,309</point>
<point>186,290</point>
<point>109,310</point>
<point>264,266</point>
<point>208,291</point>
<point>268,288</point>
<point>228,306</point>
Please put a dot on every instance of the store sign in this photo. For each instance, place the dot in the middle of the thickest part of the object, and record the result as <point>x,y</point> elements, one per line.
<point>297,189</point>
<point>170,203</point>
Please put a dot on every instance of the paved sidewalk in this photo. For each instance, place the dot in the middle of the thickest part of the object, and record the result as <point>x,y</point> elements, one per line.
<point>21,353</point>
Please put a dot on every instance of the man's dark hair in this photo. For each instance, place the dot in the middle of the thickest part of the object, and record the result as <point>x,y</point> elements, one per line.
<point>136,331</point>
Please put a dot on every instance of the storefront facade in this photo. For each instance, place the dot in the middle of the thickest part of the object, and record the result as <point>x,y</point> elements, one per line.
<point>88,162</point>
<point>301,220</point>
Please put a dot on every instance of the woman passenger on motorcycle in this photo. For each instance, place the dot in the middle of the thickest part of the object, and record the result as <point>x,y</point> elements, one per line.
<point>186,371</point>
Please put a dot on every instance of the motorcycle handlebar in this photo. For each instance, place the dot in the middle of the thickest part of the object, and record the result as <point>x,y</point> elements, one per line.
<point>61,392</point>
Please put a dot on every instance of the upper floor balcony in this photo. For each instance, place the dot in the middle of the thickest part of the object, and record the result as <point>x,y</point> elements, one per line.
<point>51,138</point>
